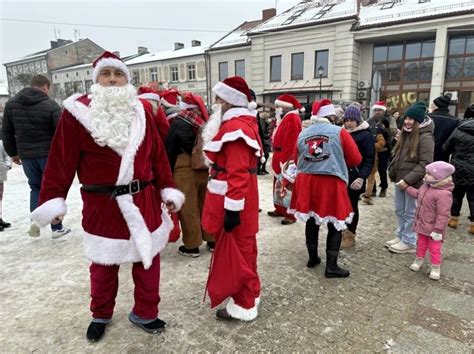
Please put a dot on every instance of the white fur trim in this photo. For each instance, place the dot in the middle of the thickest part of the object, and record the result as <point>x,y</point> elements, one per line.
<point>240,313</point>
<point>173,195</point>
<point>279,103</point>
<point>172,115</point>
<point>237,112</point>
<point>107,251</point>
<point>113,63</point>
<point>316,119</point>
<point>46,212</point>
<point>150,96</point>
<point>216,146</point>
<point>167,104</point>
<point>217,187</point>
<point>325,111</point>
<point>184,105</point>
<point>376,106</point>
<point>231,95</point>
<point>340,225</point>
<point>252,106</point>
<point>234,205</point>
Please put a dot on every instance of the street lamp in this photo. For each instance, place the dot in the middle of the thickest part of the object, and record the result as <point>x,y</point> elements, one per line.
<point>320,72</point>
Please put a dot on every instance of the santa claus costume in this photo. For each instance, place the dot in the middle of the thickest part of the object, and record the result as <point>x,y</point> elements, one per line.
<point>121,163</point>
<point>233,147</point>
<point>170,103</point>
<point>320,190</point>
<point>151,102</point>
<point>284,142</point>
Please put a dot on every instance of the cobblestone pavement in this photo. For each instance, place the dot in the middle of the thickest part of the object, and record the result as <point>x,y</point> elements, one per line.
<point>382,306</point>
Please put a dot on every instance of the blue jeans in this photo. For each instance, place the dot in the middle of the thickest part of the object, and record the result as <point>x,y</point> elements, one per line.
<point>405,207</point>
<point>34,169</point>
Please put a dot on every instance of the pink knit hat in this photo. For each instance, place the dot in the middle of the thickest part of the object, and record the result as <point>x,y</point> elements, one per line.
<point>440,170</point>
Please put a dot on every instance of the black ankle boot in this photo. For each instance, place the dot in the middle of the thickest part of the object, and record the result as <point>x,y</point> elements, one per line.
<point>333,244</point>
<point>4,224</point>
<point>312,237</point>
<point>95,331</point>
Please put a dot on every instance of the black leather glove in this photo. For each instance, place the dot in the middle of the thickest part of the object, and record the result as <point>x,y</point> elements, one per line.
<point>231,220</point>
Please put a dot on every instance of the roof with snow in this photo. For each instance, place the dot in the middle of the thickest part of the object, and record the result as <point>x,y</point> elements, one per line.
<point>236,37</point>
<point>170,54</point>
<point>309,12</point>
<point>385,12</point>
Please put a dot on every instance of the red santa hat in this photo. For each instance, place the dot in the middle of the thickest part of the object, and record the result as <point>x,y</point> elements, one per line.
<point>109,60</point>
<point>288,101</point>
<point>194,101</point>
<point>379,105</point>
<point>148,93</point>
<point>235,91</point>
<point>169,98</point>
<point>323,108</point>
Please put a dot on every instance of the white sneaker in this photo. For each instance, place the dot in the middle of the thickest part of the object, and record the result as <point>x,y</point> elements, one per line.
<point>34,230</point>
<point>435,272</point>
<point>402,247</point>
<point>392,242</point>
<point>416,265</point>
<point>61,233</point>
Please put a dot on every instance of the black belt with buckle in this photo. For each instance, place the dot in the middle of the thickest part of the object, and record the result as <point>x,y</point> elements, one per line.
<point>133,187</point>
<point>216,169</point>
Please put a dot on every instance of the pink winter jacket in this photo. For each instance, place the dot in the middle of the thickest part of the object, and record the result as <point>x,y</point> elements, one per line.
<point>433,207</point>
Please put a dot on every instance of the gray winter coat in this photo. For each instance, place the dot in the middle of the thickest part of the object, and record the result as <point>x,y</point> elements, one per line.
<point>5,163</point>
<point>410,170</point>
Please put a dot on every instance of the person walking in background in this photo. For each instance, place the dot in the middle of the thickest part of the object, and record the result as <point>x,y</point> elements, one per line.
<point>284,142</point>
<point>381,139</point>
<point>183,136</point>
<point>264,132</point>
<point>358,175</point>
<point>413,152</point>
<point>444,125</point>
<point>5,166</point>
<point>460,145</point>
<point>29,124</point>
<point>434,199</point>
<point>398,119</point>
<point>323,153</point>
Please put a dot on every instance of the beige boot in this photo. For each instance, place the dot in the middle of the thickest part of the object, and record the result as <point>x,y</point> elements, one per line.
<point>348,239</point>
<point>471,228</point>
<point>367,200</point>
<point>453,222</point>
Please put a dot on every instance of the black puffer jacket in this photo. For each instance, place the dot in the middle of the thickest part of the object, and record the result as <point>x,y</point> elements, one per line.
<point>180,140</point>
<point>461,145</point>
<point>29,123</point>
<point>366,145</point>
<point>444,125</point>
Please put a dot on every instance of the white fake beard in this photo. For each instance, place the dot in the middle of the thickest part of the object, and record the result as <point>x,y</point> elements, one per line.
<point>111,113</point>
<point>213,124</point>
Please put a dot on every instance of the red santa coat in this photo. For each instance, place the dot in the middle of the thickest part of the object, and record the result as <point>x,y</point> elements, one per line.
<point>237,149</point>
<point>284,139</point>
<point>129,228</point>
<point>159,116</point>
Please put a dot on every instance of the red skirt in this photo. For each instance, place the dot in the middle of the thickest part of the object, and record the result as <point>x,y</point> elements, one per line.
<point>323,197</point>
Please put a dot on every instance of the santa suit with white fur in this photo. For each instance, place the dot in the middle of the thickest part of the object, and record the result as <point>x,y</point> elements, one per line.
<point>234,152</point>
<point>125,229</point>
<point>152,103</point>
<point>284,139</point>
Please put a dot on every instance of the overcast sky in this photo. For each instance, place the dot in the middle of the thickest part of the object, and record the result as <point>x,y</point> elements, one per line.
<point>20,38</point>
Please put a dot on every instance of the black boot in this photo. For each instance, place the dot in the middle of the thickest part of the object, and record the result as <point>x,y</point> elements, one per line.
<point>312,235</point>
<point>95,331</point>
<point>333,244</point>
<point>4,224</point>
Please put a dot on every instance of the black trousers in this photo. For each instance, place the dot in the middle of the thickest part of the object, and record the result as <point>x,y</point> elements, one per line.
<point>382,167</point>
<point>354,197</point>
<point>458,195</point>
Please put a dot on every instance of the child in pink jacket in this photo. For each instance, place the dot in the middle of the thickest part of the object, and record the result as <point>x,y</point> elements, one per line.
<point>434,199</point>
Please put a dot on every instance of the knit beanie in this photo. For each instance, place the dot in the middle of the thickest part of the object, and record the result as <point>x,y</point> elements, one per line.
<point>417,111</point>
<point>469,112</point>
<point>440,170</point>
<point>442,102</point>
<point>353,113</point>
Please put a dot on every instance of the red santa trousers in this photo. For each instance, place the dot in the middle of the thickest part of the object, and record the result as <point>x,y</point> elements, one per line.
<point>247,295</point>
<point>280,209</point>
<point>104,286</point>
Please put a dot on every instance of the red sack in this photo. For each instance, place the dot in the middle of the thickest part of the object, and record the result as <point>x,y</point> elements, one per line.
<point>228,271</point>
<point>176,231</point>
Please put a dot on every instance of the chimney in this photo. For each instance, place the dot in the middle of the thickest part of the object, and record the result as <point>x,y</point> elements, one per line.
<point>268,14</point>
<point>195,43</point>
<point>117,53</point>
<point>54,44</point>
<point>142,50</point>
<point>178,45</point>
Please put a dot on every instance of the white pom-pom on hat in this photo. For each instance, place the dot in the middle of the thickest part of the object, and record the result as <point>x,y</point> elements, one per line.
<point>252,105</point>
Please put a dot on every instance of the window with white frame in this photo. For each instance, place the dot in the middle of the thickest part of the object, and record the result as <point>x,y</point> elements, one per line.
<point>174,74</point>
<point>153,74</point>
<point>223,70</point>
<point>191,68</point>
<point>240,68</point>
